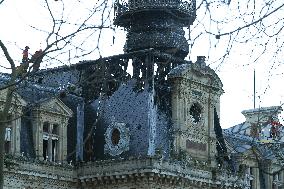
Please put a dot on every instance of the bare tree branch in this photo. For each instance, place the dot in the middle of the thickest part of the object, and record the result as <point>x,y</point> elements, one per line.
<point>7,55</point>
<point>248,25</point>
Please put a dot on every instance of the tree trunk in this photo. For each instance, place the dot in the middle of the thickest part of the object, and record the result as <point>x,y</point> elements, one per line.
<point>3,122</point>
<point>2,151</point>
<point>7,105</point>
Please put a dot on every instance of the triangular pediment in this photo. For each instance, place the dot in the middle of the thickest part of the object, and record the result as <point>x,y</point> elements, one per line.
<point>55,105</point>
<point>17,99</point>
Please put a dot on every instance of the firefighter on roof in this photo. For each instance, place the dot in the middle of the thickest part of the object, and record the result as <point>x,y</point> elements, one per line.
<point>25,61</point>
<point>37,59</point>
<point>25,58</point>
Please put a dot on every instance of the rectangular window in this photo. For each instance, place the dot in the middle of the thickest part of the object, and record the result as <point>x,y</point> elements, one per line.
<point>50,141</point>
<point>8,138</point>
<point>8,134</point>
<point>55,129</point>
<point>45,149</point>
<point>7,147</point>
<point>54,149</point>
<point>45,127</point>
<point>9,120</point>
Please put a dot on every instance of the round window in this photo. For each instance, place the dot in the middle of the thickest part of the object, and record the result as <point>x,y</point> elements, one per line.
<point>116,139</point>
<point>115,136</point>
<point>195,112</point>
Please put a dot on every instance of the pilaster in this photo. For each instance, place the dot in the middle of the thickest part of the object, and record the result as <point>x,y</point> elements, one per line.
<point>63,144</point>
<point>16,130</point>
<point>37,136</point>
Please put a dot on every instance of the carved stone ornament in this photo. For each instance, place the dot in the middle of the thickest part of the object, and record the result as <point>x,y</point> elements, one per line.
<point>117,139</point>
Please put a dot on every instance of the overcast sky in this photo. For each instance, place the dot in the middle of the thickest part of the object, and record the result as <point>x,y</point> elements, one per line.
<point>236,72</point>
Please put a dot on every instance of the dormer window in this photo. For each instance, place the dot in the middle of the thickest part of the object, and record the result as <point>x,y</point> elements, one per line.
<point>50,130</point>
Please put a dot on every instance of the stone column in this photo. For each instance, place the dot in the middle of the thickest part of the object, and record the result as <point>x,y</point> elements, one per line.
<point>37,136</point>
<point>256,176</point>
<point>62,142</point>
<point>13,136</point>
<point>209,120</point>
<point>269,178</point>
<point>49,150</point>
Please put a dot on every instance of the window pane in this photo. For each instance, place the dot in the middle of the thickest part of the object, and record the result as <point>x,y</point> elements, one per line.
<point>8,134</point>
<point>55,129</point>
<point>45,149</point>
<point>195,112</point>
<point>45,127</point>
<point>7,147</point>
<point>54,150</point>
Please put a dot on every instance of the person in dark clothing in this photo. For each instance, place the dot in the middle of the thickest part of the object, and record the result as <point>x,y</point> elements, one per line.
<point>37,59</point>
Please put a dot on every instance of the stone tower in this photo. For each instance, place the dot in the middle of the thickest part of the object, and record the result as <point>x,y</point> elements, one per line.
<point>156,24</point>
<point>195,98</point>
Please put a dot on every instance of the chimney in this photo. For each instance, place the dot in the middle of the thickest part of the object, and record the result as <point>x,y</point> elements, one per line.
<point>201,61</point>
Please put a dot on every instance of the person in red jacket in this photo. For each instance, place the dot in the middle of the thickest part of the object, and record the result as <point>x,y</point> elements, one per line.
<point>25,60</point>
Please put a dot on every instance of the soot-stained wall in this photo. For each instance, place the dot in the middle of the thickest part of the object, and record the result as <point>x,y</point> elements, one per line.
<point>145,122</point>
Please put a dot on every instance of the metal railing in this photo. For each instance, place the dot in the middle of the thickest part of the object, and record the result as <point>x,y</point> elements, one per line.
<point>121,6</point>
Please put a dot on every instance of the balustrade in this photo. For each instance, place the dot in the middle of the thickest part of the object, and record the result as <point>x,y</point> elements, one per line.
<point>185,6</point>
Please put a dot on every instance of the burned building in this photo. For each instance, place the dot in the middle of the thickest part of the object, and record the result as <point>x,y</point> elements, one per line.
<point>143,119</point>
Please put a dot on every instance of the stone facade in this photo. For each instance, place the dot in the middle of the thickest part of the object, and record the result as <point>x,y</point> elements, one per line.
<point>134,144</point>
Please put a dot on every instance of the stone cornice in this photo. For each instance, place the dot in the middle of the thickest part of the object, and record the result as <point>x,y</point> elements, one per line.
<point>40,169</point>
<point>115,171</point>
